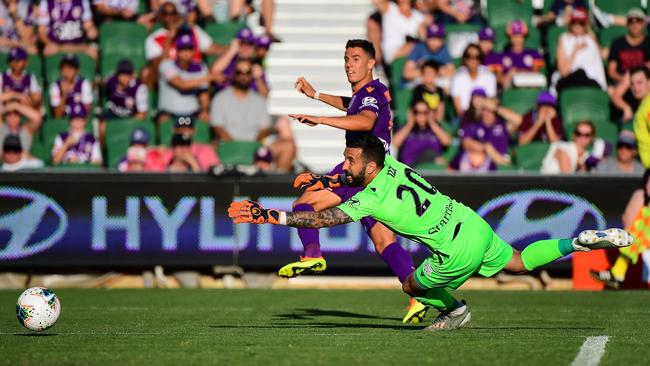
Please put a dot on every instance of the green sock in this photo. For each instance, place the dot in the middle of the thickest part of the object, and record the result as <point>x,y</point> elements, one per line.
<point>438,298</point>
<point>543,252</point>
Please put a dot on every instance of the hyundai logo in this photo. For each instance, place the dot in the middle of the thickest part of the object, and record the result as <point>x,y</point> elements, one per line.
<point>516,225</point>
<point>24,222</point>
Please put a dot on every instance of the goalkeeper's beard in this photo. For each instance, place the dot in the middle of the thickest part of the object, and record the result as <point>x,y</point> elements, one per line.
<point>354,181</point>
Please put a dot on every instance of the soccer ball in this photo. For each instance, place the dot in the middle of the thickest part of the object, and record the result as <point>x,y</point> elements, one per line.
<point>38,308</point>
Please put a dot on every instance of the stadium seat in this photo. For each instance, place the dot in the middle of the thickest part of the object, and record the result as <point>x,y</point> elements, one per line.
<point>87,67</point>
<point>578,104</point>
<point>618,7</point>
<point>118,134</point>
<point>459,36</point>
<point>605,129</point>
<point>49,130</point>
<point>79,167</point>
<point>38,148</point>
<point>520,100</point>
<point>118,40</point>
<point>237,152</point>
<point>501,12</point>
<point>403,99</point>
<point>201,132</point>
<point>608,35</point>
<point>529,157</point>
<point>222,34</point>
<point>552,38</point>
<point>532,41</point>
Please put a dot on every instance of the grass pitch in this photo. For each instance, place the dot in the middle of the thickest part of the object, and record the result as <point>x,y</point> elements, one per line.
<point>318,327</point>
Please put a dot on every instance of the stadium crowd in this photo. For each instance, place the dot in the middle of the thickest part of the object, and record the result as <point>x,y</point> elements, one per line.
<point>180,85</point>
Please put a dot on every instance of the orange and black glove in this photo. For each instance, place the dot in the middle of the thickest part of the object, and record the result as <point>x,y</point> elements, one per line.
<point>308,182</point>
<point>250,212</point>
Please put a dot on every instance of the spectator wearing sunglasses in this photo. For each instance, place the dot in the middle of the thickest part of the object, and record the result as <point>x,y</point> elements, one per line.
<point>630,50</point>
<point>581,154</point>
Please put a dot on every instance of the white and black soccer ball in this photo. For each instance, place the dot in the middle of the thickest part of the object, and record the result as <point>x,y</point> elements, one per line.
<point>38,308</point>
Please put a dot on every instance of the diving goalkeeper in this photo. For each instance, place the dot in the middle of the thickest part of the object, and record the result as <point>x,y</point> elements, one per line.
<point>462,242</point>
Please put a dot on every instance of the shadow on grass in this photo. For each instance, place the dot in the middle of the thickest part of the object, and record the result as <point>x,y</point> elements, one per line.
<point>322,326</point>
<point>535,328</point>
<point>35,334</point>
<point>307,314</point>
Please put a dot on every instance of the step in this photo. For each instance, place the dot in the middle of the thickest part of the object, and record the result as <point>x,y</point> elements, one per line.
<point>310,7</point>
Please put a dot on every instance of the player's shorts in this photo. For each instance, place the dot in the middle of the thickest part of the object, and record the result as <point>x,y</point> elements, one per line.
<point>346,193</point>
<point>475,248</point>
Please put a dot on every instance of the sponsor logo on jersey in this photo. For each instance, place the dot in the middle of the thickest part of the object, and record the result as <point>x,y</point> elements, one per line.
<point>369,102</point>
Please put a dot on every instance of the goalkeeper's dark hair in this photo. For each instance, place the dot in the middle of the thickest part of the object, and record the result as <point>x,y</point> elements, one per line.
<point>372,149</point>
<point>364,45</point>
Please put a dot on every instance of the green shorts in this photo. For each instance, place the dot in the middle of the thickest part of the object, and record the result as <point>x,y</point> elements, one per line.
<point>476,248</point>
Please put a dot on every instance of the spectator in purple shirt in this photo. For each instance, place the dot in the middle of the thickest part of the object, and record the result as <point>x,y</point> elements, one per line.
<point>422,139</point>
<point>518,58</point>
<point>70,90</point>
<point>484,136</point>
<point>76,146</point>
<point>17,85</point>
<point>65,25</point>
<point>491,59</point>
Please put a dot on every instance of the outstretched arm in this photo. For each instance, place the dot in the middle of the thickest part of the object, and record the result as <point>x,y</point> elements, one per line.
<point>363,121</point>
<point>252,213</point>
<point>338,102</point>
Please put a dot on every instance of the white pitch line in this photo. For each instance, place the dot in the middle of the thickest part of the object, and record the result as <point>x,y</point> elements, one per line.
<point>591,351</point>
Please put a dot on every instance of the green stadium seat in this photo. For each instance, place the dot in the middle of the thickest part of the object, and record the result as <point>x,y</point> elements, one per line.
<point>222,34</point>
<point>118,40</point>
<point>118,134</point>
<point>87,67</point>
<point>529,157</point>
<point>201,132</point>
<point>578,104</point>
<point>552,37</point>
<point>605,129</point>
<point>501,12</point>
<point>532,41</point>
<point>608,35</point>
<point>237,152</point>
<point>618,7</point>
<point>520,100</point>
<point>403,99</point>
<point>38,148</point>
<point>77,167</point>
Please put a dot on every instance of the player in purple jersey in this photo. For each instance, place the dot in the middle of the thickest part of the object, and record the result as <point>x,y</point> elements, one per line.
<point>368,110</point>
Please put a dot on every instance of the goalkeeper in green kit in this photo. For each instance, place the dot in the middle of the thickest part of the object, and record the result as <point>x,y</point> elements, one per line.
<point>462,242</point>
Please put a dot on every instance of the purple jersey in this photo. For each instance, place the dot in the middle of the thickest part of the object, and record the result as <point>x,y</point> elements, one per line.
<point>373,97</point>
<point>75,97</point>
<point>26,84</point>
<point>496,134</point>
<point>84,151</point>
<point>493,61</point>
<point>416,144</point>
<point>122,103</point>
<point>64,20</point>
<point>527,60</point>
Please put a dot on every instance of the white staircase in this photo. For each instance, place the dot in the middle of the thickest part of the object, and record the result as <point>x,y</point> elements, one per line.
<point>313,34</point>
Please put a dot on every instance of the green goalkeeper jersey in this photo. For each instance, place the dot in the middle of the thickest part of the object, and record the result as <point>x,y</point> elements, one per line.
<point>402,200</point>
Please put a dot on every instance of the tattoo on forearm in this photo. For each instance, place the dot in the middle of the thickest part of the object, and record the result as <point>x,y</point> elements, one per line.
<point>314,220</point>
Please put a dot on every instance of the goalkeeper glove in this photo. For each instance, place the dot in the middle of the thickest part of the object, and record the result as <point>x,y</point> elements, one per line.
<point>253,213</point>
<point>309,182</point>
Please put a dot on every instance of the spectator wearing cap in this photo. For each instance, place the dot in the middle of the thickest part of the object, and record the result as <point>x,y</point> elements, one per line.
<point>578,56</point>
<point>240,114</point>
<point>184,83</point>
<point>137,152</point>
<point>65,26</point>
<point>542,123</point>
<point>160,45</point>
<point>241,48</point>
<point>70,90</point>
<point>182,159</point>
<point>12,113</point>
<point>428,92</point>
<point>486,40</point>
<point>630,50</point>
<point>433,49</point>
<point>16,27</point>
<point>13,158</point>
<point>460,11</point>
<point>470,76</point>
<point>517,58</point>
<point>17,85</point>
<point>422,139</point>
<point>126,96</point>
<point>76,146</point>
<point>203,153</point>
<point>626,157</point>
<point>629,93</point>
<point>262,45</point>
<point>559,12</point>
